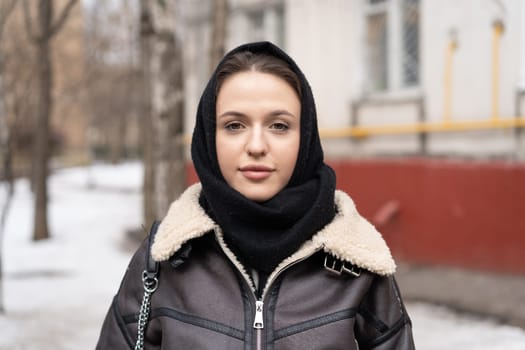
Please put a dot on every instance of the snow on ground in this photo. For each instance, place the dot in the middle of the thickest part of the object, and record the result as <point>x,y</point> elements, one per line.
<point>57,292</point>
<point>439,328</point>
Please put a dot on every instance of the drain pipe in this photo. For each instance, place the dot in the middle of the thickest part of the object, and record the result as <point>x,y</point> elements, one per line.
<point>447,78</point>
<point>497,32</point>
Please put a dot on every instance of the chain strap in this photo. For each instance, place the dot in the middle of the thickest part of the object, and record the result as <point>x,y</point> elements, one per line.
<point>150,282</point>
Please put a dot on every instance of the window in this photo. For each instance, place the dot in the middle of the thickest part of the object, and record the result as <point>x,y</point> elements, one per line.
<point>266,23</point>
<point>278,26</point>
<point>377,51</point>
<point>256,20</point>
<point>392,45</point>
<point>410,37</point>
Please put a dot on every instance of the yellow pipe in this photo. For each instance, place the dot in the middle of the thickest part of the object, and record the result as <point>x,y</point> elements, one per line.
<point>466,125</point>
<point>397,129</point>
<point>447,103</point>
<point>497,32</point>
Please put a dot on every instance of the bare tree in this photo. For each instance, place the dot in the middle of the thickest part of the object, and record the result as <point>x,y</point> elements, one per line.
<point>6,7</point>
<point>41,38</point>
<point>146,38</point>
<point>163,128</point>
<point>218,38</point>
<point>112,71</point>
<point>167,107</point>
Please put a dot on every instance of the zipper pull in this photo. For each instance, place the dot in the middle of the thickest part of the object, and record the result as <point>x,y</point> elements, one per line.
<point>258,322</point>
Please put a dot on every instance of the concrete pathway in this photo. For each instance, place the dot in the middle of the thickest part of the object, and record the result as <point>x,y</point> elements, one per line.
<point>499,296</point>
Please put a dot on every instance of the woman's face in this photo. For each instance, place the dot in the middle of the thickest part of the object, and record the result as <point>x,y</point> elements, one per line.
<point>258,133</point>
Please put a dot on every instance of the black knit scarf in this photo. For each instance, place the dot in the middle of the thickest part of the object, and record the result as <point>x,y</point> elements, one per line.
<point>262,234</point>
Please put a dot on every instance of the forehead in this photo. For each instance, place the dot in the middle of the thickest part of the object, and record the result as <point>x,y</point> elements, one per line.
<point>254,85</point>
<point>251,78</point>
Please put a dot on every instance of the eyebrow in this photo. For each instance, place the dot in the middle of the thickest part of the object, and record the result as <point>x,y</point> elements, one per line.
<point>272,113</point>
<point>231,113</point>
<point>281,111</point>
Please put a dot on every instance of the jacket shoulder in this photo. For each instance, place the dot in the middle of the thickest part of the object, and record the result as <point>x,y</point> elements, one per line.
<point>185,220</point>
<point>350,237</point>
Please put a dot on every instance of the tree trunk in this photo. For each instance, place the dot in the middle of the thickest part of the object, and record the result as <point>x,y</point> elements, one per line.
<point>42,41</point>
<point>146,37</point>
<point>218,39</point>
<point>41,150</point>
<point>163,114</point>
<point>6,174</point>
<point>167,109</point>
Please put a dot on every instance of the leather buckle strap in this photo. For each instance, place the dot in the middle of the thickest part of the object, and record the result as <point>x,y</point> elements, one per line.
<point>152,267</point>
<point>150,282</point>
<point>338,267</point>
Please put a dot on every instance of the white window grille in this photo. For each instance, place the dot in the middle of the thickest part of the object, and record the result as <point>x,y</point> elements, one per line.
<point>377,52</point>
<point>410,37</point>
<point>392,45</point>
<point>264,22</point>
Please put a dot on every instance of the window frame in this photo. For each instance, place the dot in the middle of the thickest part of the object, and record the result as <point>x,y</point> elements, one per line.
<point>395,86</point>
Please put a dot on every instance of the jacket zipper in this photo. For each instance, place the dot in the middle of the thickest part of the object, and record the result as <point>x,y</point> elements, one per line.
<point>258,321</point>
<point>258,324</point>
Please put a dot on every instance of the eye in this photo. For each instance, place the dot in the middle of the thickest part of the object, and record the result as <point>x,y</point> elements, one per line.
<point>233,126</point>
<point>279,126</point>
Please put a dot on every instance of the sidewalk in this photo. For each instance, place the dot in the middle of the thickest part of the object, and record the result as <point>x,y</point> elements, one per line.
<point>499,296</point>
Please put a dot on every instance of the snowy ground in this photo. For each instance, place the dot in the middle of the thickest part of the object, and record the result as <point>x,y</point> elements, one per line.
<point>57,292</point>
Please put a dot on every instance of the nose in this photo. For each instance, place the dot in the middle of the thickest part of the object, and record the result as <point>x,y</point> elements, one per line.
<point>257,145</point>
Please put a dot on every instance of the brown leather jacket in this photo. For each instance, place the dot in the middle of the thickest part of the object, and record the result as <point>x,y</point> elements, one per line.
<point>336,292</point>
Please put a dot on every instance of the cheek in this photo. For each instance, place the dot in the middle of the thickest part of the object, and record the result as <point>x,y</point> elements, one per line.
<point>288,155</point>
<point>224,155</point>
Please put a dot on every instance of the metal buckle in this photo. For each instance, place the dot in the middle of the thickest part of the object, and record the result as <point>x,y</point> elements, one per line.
<point>337,267</point>
<point>150,281</point>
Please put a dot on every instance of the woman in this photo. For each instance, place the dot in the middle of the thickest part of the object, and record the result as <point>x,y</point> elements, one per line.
<point>263,253</point>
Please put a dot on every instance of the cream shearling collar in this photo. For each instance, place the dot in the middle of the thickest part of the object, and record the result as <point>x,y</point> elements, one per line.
<point>348,237</point>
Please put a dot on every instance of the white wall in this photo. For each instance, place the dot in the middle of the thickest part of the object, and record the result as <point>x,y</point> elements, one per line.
<point>521,57</point>
<point>320,40</point>
<point>327,40</point>
<point>472,72</point>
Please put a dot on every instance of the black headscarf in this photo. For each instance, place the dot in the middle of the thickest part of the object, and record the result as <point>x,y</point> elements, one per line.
<point>262,234</point>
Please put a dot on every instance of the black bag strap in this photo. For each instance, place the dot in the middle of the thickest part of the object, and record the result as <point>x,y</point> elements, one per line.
<point>150,282</point>
<point>152,266</point>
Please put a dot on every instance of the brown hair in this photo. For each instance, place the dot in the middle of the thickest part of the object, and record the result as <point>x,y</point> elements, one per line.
<point>248,61</point>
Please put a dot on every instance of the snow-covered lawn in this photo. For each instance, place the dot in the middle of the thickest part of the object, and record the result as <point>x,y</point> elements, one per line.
<point>57,292</point>
<point>438,328</point>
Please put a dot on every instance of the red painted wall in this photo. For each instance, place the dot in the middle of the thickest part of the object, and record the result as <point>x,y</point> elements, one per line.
<point>461,213</point>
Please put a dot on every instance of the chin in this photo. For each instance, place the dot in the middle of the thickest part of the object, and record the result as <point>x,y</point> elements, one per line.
<point>259,196</point>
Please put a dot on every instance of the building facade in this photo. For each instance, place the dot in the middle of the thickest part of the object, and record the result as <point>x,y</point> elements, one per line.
<point>421,107</point>
<point>389,63</point>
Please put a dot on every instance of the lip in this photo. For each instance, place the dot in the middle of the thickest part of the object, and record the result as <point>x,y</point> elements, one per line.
<point>256,172</point>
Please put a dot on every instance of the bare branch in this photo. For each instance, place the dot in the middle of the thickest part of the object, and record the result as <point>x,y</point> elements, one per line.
<point>62,18</point>
<point>5,10</point>
<point>27,20</point>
